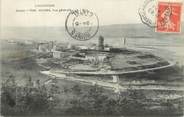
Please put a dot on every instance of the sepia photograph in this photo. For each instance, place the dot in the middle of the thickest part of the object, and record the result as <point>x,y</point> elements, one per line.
<point>92,58</point>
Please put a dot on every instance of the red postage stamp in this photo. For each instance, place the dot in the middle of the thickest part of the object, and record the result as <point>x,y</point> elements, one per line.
<point>168,17</point>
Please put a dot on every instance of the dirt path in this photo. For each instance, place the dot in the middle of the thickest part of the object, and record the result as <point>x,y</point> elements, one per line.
<point>113,86</point>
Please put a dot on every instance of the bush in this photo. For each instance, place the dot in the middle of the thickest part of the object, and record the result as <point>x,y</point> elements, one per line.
<point>24,100</point>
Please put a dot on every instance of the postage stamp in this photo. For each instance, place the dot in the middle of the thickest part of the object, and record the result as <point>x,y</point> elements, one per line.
<point>169,17</point>
<point>82,24</point>
<point>147,12</point>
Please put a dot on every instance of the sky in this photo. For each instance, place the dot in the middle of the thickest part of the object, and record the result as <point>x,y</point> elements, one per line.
<point>108,11</point>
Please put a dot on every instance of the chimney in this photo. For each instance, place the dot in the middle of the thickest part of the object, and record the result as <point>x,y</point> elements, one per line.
<point>101,43</point>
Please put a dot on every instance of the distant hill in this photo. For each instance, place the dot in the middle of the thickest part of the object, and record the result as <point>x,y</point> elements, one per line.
<point>135,30</point>
<point>109,31</point>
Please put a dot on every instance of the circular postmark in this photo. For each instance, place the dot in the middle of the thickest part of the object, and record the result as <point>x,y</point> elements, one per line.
<point>82,24</point>
<point>147,13</point>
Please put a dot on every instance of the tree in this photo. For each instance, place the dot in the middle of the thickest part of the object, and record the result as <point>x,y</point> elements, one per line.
<point>95,100</point>
<point>29,82</point>
<point>23,101</point>
<point>76,107</point>
<point>10,81</point>
<point>111,107</point>
<point>131,102</point>
<point>35,102</point>
<point>76,90</point>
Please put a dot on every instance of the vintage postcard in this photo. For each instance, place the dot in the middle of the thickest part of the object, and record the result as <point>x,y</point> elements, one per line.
<point>92,58</point>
